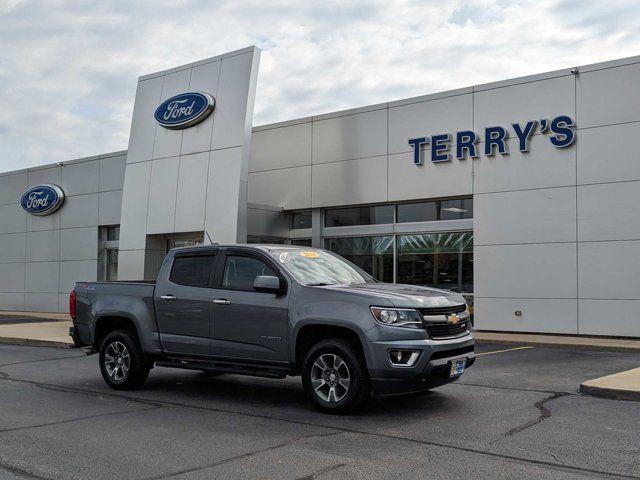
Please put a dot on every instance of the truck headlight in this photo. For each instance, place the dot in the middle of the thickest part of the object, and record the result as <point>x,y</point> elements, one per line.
<point>397,317</point>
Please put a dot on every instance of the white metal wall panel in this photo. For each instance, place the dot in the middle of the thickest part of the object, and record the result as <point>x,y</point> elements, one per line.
<point>535,100</point>
<point>348,137</point>
<point>608,96</point>
<point>351,182</point>
<point>526,216</point>
<point>162,195</point>
<point>430,180</point>
<point>609,270</point>
<point>545,315</point>
<point>605,154</point>
<point>143,131</point>
<point>283,147</point>
<point>546,270</point>
<point>289,188</point>
<point>192,192</point>
<point>609,211</point>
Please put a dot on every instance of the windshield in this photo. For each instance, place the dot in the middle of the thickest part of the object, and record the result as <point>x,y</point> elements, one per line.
<point>318,267</point>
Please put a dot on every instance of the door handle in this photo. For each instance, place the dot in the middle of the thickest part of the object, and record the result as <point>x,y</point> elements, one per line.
<point>168,298</point>
<point>221,301</point>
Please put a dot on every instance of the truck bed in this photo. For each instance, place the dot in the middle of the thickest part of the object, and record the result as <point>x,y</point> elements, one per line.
<point>126,299</point>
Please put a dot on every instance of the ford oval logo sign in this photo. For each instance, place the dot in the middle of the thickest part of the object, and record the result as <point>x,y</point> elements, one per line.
<point>184,110</point>
<point>42,199</point>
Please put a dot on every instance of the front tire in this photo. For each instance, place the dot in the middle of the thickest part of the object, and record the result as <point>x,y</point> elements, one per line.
<point>121,361</point>
<point>335,377</point>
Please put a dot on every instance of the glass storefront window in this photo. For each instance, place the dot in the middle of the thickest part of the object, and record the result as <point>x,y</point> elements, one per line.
<point>347,217</point>
<point>372,254</point>
<point>112,265</point>
<point>301,219</point>
<point>113,234</point>
<point>301,242</point>
<point>456,209</point>
<point>266,240</point>
<point>441,260</point>
<point>453,209</point>
<point>417,212</point>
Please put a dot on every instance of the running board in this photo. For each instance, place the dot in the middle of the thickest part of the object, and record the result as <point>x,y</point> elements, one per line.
<point>267,371</point>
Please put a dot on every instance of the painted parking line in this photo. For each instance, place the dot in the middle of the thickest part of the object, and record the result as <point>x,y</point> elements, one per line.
<point>503,351</point>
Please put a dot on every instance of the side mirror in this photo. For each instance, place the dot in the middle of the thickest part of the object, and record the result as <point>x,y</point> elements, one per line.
<point>266,284</point>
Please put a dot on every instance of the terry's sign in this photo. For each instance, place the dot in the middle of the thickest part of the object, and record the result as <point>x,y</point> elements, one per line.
<point>42,199</point>
<point>184,110</point>
<point>560,132</point>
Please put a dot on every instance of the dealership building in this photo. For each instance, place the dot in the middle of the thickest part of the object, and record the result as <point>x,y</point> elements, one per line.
<point>522,194</point>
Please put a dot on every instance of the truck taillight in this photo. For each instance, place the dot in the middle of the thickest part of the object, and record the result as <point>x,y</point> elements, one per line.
<point>72,304</point>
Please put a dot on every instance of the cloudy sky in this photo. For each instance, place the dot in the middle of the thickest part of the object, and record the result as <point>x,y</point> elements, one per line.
<point>68,68</point>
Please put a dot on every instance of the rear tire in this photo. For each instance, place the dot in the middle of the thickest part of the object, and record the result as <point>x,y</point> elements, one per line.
<point>121,360</point>
<point>335,377</point>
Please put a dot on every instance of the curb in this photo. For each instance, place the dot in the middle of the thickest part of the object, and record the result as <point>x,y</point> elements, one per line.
<point>611,393</point>
<point>30,342</point>
<point>578,346</point>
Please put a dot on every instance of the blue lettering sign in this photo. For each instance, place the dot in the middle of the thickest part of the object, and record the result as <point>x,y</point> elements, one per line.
<point>466,142</point>
<point>524,135</point>
<point>560,131</point>
<point>415,144</point>
<point>495,137</point>
<point>564,135</point>
<point>42,199</point>
<point>440,148</point>
<point>184,110</point>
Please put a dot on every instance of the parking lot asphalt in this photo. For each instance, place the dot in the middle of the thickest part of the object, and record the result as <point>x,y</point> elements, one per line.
<point>516,413</point>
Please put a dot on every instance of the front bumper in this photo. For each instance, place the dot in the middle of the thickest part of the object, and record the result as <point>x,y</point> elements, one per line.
<point>430,370</point>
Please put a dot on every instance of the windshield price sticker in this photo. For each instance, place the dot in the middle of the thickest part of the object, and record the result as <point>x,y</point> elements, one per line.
<point>284,257</point>
<point>307,254</point>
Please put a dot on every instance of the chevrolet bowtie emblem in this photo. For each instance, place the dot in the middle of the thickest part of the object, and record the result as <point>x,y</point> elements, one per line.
<point>453,318</point>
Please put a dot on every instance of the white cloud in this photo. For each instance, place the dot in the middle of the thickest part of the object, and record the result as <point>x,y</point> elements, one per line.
<point>68,68</point>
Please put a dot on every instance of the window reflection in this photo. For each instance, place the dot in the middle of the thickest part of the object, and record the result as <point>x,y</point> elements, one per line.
<point>301,219</point>
<point>441,260</point>
<point>373,254</point>
<point>345,217</point>
<point>452,209</point>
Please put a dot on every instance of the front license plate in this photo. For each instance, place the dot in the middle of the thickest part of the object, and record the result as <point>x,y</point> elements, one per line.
<point>457,367</point>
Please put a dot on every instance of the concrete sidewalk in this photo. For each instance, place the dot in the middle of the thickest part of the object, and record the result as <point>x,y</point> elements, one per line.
<point>621,386</point>
<point>34,328</point>
<point>571,341</point>
<point>49,317</point>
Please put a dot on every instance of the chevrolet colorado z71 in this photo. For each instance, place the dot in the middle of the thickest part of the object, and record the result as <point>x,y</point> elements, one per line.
<point>276,311</point>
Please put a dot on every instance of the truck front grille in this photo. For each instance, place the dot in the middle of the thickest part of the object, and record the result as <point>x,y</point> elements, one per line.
<point>443,310</point>
<point>439,331</point>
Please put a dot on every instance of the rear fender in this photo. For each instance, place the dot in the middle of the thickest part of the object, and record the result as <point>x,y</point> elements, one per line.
<point>138,311</point>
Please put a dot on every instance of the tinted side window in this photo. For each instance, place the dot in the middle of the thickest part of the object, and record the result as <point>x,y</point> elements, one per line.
<point>240,272</point>
<point>192,271</point>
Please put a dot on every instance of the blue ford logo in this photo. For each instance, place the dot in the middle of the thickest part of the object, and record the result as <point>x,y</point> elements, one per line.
<point>42,199</point>
<point>184,110</point>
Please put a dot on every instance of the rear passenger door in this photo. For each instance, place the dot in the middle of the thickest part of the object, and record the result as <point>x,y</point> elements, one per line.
<point>183,303</point>
<point>246,324</point>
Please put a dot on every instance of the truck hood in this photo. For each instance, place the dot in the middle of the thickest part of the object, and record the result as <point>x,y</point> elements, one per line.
<point>403,296</point>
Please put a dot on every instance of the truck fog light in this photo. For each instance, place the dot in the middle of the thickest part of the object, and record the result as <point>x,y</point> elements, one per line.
<point>403,358</point>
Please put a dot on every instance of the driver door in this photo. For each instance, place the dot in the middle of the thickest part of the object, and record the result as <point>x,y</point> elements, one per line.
<point>246,324</point>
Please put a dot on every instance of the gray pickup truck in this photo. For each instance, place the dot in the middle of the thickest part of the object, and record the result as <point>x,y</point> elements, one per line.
<point>273,311</point>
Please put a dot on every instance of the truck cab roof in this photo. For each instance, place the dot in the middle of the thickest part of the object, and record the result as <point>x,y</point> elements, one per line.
<point>264,247</point>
